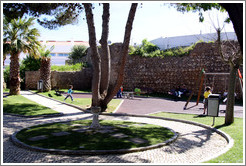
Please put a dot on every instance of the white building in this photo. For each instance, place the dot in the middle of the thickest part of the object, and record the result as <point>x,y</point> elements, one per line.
<point>60,52</point>
<point>177,41</point>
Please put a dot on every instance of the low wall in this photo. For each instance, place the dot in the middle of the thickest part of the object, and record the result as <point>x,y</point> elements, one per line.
<point>80,80</point>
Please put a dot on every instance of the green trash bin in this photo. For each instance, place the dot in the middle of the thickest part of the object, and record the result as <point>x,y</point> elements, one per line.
<point>213,105</point>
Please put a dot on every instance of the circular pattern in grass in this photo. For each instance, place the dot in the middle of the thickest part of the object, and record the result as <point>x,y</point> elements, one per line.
<point>75,137</point>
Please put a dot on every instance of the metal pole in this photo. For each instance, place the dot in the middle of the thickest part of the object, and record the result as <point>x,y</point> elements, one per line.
<point>213,120</point>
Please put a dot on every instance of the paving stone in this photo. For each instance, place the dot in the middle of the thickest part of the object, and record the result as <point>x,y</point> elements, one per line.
<point>108,127</point>
<point>137,140</point>
<point>63,133</point>
<point>123,125</point>
<point>77,125</point>
<point>120,135</point>
<point>139,124</point>
<point>105,131</point>
<point>37,138</point>
<point>80,130</point>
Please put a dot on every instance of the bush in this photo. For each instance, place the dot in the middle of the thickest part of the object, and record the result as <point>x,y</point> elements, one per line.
<point>78,52</point>
<point>148,49</point>
<point>75,67</point>
<point>145,49</point>
<point>29,63</point>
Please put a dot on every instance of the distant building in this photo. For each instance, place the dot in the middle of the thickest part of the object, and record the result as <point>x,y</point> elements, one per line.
<point>177,41</point>
<point>60,52</point>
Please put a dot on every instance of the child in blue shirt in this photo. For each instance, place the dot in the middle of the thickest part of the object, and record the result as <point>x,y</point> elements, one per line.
<point>69,93</point>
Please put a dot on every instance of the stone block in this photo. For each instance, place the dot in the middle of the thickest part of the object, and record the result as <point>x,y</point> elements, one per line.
<point>119,135</point>
<point>38,138</point>
<point>137,140</point>
<point>63,133</point>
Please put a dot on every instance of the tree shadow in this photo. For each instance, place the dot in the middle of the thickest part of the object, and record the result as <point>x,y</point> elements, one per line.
<point>200,116</point>
<point>182,144</point>
<point>221,126</point>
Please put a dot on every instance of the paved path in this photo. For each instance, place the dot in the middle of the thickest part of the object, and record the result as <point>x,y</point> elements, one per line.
<point>57,106</point>
<point>194,145</point>
<point>145,106</point>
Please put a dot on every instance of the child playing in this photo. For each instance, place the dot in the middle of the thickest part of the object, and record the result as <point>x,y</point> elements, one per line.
<point>206,95</point>
<point>69,93</point>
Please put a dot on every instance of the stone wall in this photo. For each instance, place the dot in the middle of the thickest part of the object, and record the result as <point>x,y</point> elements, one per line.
<point>158,74</point>
<point>80,80</point>
<point>162,74</point>
<point>32,78</point>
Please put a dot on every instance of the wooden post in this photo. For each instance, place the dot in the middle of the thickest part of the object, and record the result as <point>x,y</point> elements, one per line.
<point>200,88</point>
<point>197,82</point>
<point>240,81</point>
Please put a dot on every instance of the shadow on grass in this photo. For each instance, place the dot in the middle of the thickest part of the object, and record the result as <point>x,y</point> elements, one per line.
<point>200,116</point>
<point>221,126</point>
<point>23,108</point>
<point>94,139</point>
<point>5,95</point>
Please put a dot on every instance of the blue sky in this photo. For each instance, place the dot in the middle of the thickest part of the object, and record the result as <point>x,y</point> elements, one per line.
<point>153,20</point>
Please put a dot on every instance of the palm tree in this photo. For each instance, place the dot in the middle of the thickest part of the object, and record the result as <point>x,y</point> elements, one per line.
<point>18,37</point>
<point>77,53</point>
<point>45,72</point>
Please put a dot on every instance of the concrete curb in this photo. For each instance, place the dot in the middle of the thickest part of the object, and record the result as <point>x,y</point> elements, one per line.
<point>229,140</point>
<point>226,136</point>
<point>36,116</point>
<point>17,142</point>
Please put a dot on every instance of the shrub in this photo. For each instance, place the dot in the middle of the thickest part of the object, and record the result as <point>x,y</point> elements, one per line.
<point>78,52</point>
<point>75,67</point>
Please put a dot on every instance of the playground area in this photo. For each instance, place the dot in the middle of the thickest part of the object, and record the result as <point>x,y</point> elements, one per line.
<point>148,105</point>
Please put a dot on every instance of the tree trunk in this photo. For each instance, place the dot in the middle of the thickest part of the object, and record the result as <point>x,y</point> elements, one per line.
<point>101,94</point>
<point>235,11</point>
<point>45,74</point>
<point>95,58</point>
<point>124,53</point>
<point>105,53</point>
<point>229,116</point>
<point>96,64</point>
<point>14,74</point>
<point>4,84</point>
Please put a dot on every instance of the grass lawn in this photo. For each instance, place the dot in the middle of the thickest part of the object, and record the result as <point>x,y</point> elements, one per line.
<point>18,104</point>
<point>89,139</point>
<point>5,90</point>
<point>235,154</point>
<point>81,102</point>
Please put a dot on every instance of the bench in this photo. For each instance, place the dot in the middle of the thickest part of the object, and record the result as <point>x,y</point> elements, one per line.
<point>128,95</point>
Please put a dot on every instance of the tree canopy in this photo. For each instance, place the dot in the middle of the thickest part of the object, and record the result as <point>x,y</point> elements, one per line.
<point>50,15</point>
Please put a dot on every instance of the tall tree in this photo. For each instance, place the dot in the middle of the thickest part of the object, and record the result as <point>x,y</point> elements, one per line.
<point>67,13</point>
<point>45,67</point>
<point>235,11</point>
<point>102,94</point>
<point>18,37</point>
<point>232,56</point>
